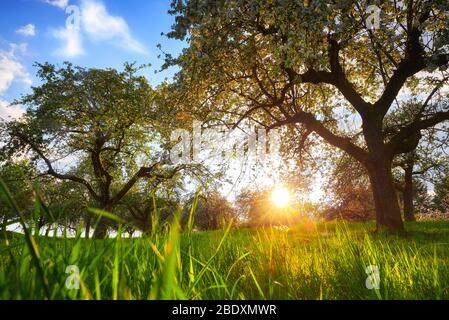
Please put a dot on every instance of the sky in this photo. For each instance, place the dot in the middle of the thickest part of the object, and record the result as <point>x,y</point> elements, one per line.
<point>105,33</point>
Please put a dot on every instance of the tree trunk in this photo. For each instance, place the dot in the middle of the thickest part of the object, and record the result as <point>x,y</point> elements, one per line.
<point>47,232</point>
<point>101,229</point>
<point>388,212</point>
<point>379,165</point>
<point>87,229</point>
<point>409,214</point>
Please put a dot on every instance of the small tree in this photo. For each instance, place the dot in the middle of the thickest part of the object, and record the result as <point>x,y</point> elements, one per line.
<point>18,178</point>
<point>347,188</point>
<point>441,198</point>
<point>427,159</point>
<point>152,204</point>
<point>213,211</point>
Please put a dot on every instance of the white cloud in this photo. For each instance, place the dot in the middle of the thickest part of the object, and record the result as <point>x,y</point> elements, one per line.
<point>27,31</point>
<point>62,4</point>
<point>11,69</point>
<point>101,26</point>
<point>72,42</point>
<point>8,112</point>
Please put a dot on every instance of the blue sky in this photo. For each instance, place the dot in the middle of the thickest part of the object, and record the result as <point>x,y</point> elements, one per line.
<point>110,33</point>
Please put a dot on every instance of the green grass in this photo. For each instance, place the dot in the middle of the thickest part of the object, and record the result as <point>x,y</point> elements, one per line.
<point>309,261</point>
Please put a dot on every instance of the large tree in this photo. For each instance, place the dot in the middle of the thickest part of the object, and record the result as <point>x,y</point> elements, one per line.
<point>106,122</point>
<point>311,63</point>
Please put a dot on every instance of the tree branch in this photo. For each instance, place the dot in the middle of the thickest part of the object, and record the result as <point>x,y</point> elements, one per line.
<point>145,172</point>
<point>396,144</point>
<point>51,170</point>
<point>312,124</point>
<point>413,62</point>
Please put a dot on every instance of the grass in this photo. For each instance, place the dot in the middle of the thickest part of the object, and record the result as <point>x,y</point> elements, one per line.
<point>323,261</point>
<point>308,261</point>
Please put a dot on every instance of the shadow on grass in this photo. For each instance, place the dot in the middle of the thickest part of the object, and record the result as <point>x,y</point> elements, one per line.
<point>435,231</point>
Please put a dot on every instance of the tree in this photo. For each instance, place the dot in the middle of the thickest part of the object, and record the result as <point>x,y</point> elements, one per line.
<point>347,188</point>
<point>152,204</point>
<point>425,160</point>
<point>212,211</point>
<point>309,64</point>
<point>67,202</point>
<point>256,208</point>
<point>18,178</point>
<point>104,120</point>
<point>441,198</point>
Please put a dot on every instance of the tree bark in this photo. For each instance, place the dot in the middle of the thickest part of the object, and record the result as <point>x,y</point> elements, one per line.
<point>379,165</point>
<point>409,214</point>
<point>388,213</point>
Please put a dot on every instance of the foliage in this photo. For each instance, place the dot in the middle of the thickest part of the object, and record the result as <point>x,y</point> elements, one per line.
<point>18,177</point>
<point>257,209</point>
<point>348,193</point>
<point>441,199</point>
<point>212,211</point>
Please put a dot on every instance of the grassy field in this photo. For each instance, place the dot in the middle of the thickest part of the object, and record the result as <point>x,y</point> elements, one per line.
<point>307,261</point>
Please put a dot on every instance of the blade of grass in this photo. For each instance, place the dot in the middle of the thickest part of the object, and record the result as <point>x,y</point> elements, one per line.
<point>31,243</point>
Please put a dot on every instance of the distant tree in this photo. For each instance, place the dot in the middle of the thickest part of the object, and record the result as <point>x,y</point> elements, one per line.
<point>348,192</point>
<point>152,203</point>
<point>106,120</point>
<point>422,198</point>
<point>213,211</point>
<point>18,177</point>
<point>256,208</point>
<point>441,198</point>
<point>426,160</point>
<point>67,202</point>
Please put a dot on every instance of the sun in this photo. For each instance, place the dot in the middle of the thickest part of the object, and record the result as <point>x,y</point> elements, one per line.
<point>280,197</point>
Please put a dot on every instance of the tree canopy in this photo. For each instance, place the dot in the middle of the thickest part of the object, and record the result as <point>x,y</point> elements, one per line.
<point>105,122</point>
<point>312,64</point>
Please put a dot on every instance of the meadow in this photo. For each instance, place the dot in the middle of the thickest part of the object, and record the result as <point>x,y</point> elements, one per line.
<point>235,139</point>
<point>310,260</point>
